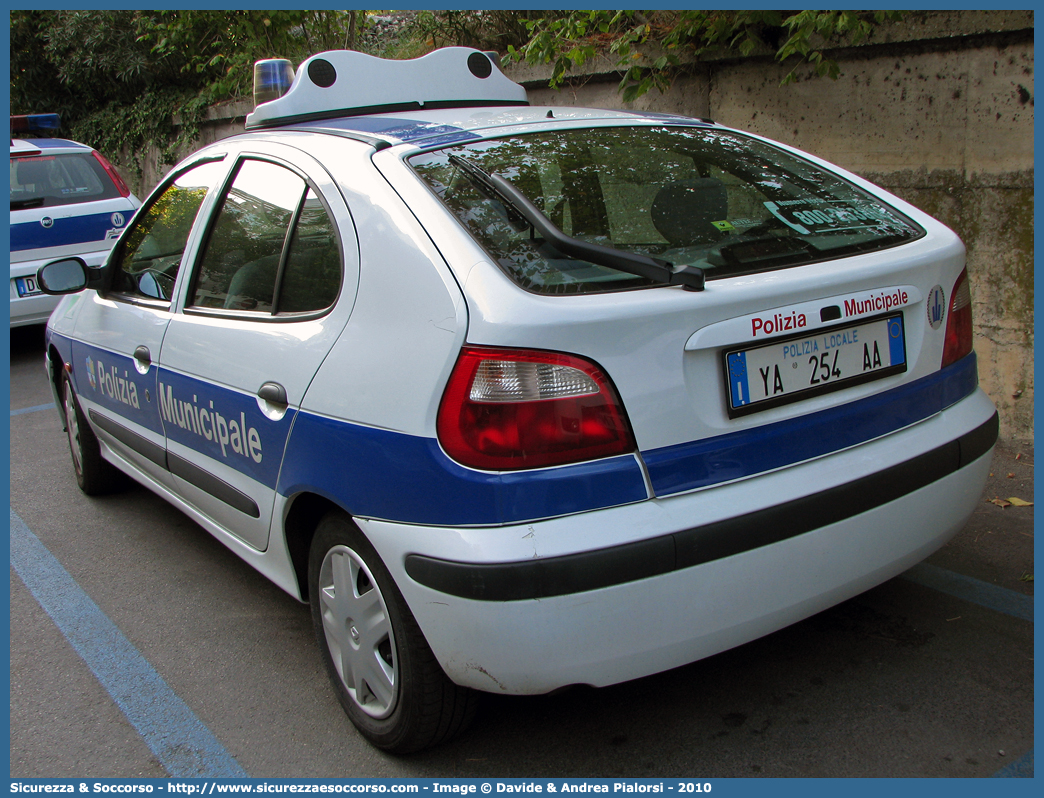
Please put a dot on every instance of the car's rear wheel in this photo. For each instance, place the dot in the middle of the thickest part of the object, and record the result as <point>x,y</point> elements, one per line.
<point>383,670</point>
<point>94,474</point>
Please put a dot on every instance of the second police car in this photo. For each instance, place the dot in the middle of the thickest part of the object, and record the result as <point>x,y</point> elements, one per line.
<point>524,397</point>
<point>66,199</point>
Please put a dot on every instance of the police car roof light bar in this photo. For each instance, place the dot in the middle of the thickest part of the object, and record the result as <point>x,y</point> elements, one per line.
<point>44,124</point>
<point>272,79</point>
<point>348,83</point>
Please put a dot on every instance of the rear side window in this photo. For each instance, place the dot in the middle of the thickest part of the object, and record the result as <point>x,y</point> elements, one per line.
<point>724,202</point>
<point>272,249</point>
<point>46,181</point>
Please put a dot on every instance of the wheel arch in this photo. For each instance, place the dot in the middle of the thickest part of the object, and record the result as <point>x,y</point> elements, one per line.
<point>302,518</point>
<point>55,367</point>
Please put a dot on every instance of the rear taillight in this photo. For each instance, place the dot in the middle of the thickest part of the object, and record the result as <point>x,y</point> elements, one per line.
<point>121,186</point>
<point>506,409</point>
<point>959,324</point>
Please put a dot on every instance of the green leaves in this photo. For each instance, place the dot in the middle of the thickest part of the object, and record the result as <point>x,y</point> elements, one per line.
<point>118,78</point>
<point>649,46</point>
<point>813,31</point>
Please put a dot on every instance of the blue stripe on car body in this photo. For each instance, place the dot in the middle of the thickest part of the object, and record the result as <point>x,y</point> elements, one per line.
<point>699,464</point>
<point>222,424</point>
<point>398,477</point>
<point>66,230</point>
<point>395,476</point>
<point>109,380</point>
<point>434,134</point>
<point>405,130</point>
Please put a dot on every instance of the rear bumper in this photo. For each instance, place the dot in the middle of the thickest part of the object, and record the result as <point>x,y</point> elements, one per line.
<point>37,309</point>
<point>576,573</point>
<point>31,309</point>
<point>606,596</point>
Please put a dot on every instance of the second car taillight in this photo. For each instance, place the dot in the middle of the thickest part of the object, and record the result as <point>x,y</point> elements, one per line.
<point>959,324</point>
<point>507,409</point>
<point>110,170</point>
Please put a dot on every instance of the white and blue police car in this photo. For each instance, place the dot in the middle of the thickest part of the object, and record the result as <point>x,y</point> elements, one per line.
<point>66,200</point>
<point>525,397</point>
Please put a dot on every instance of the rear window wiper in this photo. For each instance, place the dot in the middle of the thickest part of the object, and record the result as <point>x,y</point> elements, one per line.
<point>519,206</point>
<point>32,202</point>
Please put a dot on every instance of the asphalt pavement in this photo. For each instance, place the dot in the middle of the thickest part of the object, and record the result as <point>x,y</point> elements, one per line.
<point>929,674</point>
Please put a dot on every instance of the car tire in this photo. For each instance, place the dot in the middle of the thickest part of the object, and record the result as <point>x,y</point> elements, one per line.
<point>94,474</point>
<point>385,674</point>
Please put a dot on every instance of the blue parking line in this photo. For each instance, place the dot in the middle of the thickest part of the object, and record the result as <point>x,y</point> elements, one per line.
<point>180,741</point>
<point>35,409</point>
<point>184,745</point>
<point>1019,769</point>
<point>998,599</point>
<point>992,597</point>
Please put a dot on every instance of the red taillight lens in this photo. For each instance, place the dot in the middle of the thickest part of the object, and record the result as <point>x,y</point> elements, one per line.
<point>959,324</point>
<point>506,409</point>
<point>121,186</point>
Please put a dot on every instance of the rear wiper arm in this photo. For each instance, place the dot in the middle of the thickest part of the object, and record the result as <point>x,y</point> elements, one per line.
<point>484,183</point>
<point>34,202</point>
<point>518,205</point>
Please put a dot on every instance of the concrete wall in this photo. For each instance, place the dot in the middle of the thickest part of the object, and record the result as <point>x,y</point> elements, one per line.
<point>938,110</point>
<point>221,121</point>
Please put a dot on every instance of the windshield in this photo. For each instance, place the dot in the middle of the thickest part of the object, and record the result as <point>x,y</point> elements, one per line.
<point>50,180</point>
<point>713,199</point>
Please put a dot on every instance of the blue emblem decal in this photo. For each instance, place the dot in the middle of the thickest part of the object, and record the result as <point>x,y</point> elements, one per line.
<point>936,307</point>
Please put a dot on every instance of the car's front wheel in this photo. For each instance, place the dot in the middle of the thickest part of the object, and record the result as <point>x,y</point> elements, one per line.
<point>384,672</point>
<point>94,474</point>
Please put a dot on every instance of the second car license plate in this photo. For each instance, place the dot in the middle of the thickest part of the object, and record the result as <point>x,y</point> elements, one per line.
<point>27,286</point>
<point>797,367</point>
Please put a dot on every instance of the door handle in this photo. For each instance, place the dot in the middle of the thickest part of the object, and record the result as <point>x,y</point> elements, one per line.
<point>142,359</point>
<point>273,393</point>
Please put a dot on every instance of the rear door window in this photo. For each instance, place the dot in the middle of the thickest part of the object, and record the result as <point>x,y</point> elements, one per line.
<point>273,249</point>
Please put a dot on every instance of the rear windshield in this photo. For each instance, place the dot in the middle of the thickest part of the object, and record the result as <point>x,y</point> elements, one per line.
<point>45,181</point>
<point>718,200</point>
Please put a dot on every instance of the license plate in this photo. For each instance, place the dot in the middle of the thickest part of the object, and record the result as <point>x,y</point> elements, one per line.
<point>27,286</point>
<point>798,367</point>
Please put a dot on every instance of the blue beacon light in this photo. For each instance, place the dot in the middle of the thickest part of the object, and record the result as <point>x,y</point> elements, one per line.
<point>272,79</point>
<point>44,124</point>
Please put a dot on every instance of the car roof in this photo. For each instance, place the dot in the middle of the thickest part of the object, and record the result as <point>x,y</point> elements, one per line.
<point>443,127</point>
<point>451,95</point>
<point>51,146</point>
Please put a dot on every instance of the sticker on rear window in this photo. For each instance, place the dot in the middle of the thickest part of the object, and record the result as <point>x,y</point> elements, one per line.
<point>815,216</point>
